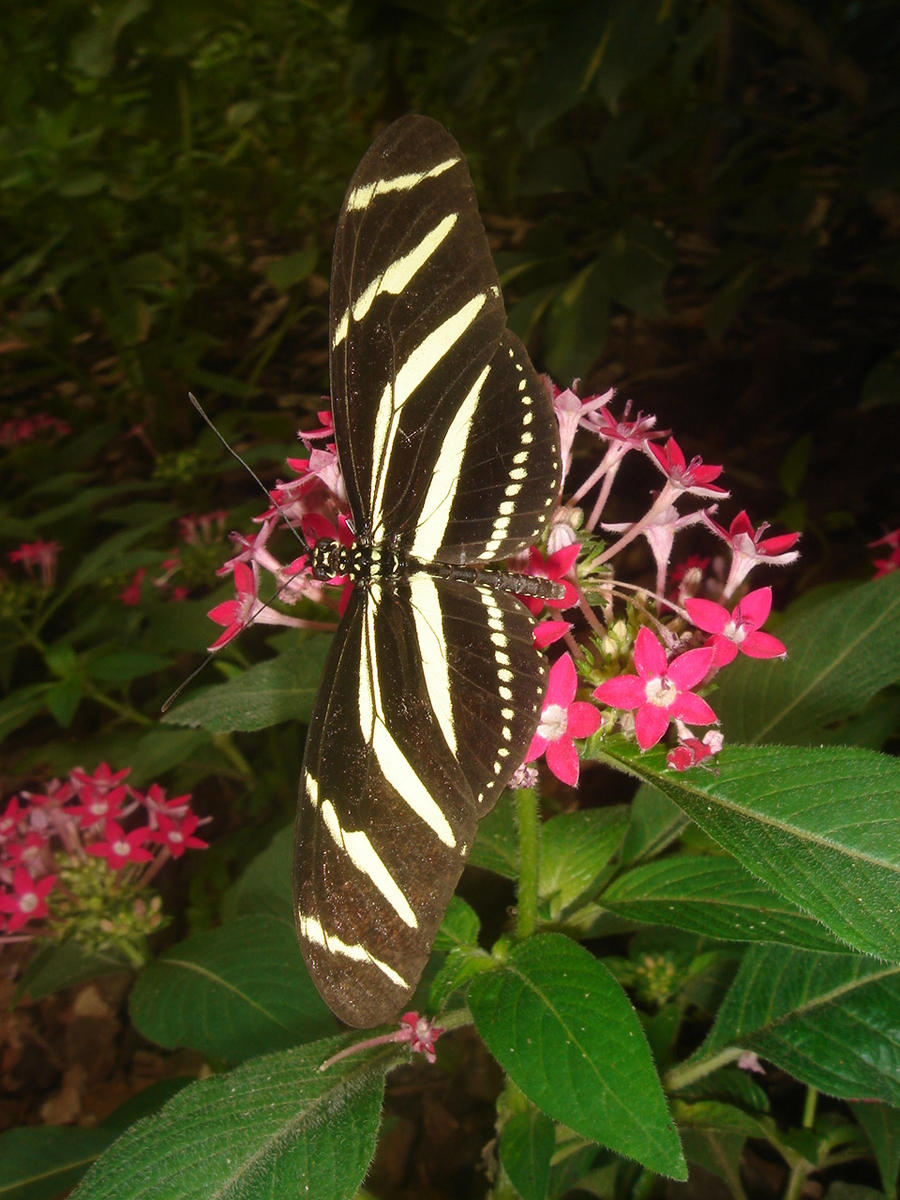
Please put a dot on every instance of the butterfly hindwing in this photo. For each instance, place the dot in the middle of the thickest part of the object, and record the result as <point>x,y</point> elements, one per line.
<point>393,784</point>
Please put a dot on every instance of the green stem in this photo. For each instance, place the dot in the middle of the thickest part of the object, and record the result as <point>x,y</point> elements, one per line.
<point>528,823</point>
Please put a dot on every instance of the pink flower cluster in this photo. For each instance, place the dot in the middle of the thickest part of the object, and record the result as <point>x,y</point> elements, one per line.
<point>44,835</point>
<point>18,430</point>
<point>891,542</point>
<point>675,639</point>
<point>38,559</point>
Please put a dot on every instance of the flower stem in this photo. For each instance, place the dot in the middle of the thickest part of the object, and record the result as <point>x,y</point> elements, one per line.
<point>528,823</point>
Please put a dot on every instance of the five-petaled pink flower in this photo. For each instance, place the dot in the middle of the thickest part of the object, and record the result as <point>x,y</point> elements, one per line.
<point>749,547</point>
<point>28,901</point>
<point>739,629</point>
<point>236,614</point>
<point>661,691</point>
<point>177,835</point>
<point>562,719</point>
<point>553,567</point>
<point>694,477</point>
<point>121,847</point>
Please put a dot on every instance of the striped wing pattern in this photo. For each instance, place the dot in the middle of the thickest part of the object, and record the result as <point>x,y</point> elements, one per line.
<point>432,691</point>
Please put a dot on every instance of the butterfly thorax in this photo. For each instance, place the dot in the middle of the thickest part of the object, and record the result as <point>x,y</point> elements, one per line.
<point>358,562</point>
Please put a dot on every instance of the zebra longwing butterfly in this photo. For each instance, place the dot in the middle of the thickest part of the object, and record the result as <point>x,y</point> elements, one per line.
<point>432,691</point>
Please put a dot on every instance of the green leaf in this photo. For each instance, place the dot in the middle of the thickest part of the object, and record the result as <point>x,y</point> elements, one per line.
<point>55,967</point>
<point>713,1135</point>
<point>715,897</point>
<point>842,649</point>
<point>231,992</point>
<point>565,1032</point>
<point>575,848</point>
<point>656,822</point>
<point>527,1142</point>
<point>820,827</point>
<point>161,750</point>
<point>126,665</point>
<point>460,965</point>
<point>280,689</point>
<point>265,885</point>
<point>881,1125</point>
<point>460,926</point>
<point>64,697</point>
<point>274,1129</point>
<point>18,708</point>
<point>44,1162</point>
<point>830,1020</point>
<point>496,845</point>
<point>284,272</point>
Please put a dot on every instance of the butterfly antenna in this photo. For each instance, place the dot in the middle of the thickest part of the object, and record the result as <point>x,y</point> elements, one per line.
<point>253,475</point>
<point>190,679</point>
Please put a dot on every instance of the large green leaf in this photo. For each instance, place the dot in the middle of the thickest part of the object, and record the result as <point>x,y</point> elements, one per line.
<point>496,845</point>
<point>820,827</point>
<point>274,1129</point>
<point>575,849</point>
<point>42,1162</point>
<point>280,689</point>
<point>231,992</point>
<point>842,649</point>
<point>830,1020</point>
<point>265,886</point>
<point>527,1142</point>
<point>715,897</point>
<point>563,1029</point>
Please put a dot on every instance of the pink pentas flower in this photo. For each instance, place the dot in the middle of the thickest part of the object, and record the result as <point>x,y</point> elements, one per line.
<point>419,1032</point>
<point>884,566</point>
<point>738,630</point>
<point>749,547</point>
<point>548,632</point>
<point>131,596</point>
<point>691,750</point>
<point>103,778</point>
<point>660,692</point>
<point>28,853</point>
<point>246,608</point>
<point>562,719</point>
<point>121,848</point>
<point>96,806</point>
<point>10,820</point>
<point>178,836</point>
<point>28,900</point>
<point>37,555</point>
<point>553,567</point>
<point>682,476</point>
<point>158,804</point>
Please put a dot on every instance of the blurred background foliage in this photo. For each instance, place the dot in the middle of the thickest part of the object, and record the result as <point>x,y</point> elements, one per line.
<point>694,200</point>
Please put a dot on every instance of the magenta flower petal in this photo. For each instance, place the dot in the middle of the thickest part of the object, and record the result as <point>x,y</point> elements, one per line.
<point>755,607</point>
<point>536,749</point>
<point>583,719</point>
<point>763,645</point>
<point>693,710</point>
<point>563,760</point>
<point>625,691</point>
<point>562,682</point>
<point>650,723</point>
<point>649,656</point>
<point>725,651</point>
<point>689,668</point>
<point>711,618</point>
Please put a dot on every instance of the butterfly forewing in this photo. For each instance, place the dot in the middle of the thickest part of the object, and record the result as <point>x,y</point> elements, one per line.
<point>415,317</point>
<point>450,454</point>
